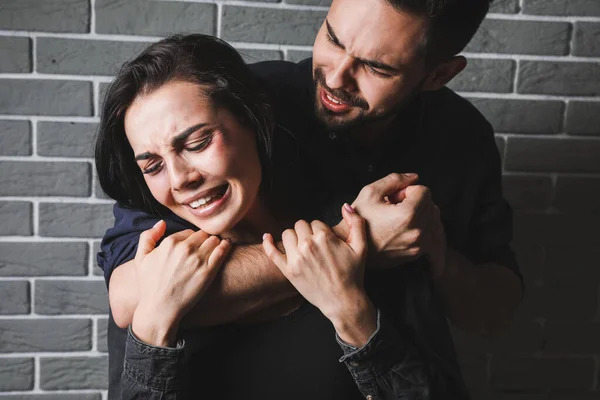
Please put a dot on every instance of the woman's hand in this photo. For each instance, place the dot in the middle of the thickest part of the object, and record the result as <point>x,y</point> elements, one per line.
<point>171,279</point>
<point>329,273</point>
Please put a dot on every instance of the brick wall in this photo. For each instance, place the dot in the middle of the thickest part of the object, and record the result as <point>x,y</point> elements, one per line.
<point>534,72</point>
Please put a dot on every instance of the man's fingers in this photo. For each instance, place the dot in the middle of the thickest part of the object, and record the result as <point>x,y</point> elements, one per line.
<point>418,198</point>
<point>391,184</point>
<point>303,230</point>
<point>272,252</point>
<point>357,236</point>
<point>149,238</point>
<point>397,197</point>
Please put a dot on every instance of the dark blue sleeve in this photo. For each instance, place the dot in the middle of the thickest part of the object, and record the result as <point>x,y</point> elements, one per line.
<point>120,242</point>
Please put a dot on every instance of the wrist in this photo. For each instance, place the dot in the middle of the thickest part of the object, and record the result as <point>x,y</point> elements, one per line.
<point>151,329</point>
<point>356,322</point>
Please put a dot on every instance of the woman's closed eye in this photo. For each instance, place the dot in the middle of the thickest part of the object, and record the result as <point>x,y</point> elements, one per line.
<point>199,144</point>
<point>152,168</point>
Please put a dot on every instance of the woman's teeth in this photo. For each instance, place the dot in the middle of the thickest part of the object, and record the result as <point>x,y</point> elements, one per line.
<point>206,200</point>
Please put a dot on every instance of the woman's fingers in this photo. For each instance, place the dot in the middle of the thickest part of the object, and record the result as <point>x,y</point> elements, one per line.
<point>272,252</point>
<point>218,255</point>
<point>357,235</point>
<point>149,238</point>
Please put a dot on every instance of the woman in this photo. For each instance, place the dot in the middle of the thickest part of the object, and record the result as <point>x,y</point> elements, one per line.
<point>186,129</point>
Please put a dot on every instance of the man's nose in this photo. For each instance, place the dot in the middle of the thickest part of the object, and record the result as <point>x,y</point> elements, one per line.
<point>184,176</point>
<point>342,75</point>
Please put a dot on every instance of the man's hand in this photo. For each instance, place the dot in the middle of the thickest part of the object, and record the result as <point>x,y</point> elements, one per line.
<point>402,221</point>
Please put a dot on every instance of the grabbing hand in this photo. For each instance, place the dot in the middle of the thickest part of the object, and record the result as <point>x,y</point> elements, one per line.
<point>403,222</point>
<point>325,270</point>
<point>172,277</point>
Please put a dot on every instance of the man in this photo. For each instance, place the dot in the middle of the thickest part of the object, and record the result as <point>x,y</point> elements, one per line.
<point>372,103</point>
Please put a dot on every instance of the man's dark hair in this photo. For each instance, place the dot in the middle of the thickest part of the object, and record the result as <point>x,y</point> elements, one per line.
<point>200,59</point>
<point>452,24</point>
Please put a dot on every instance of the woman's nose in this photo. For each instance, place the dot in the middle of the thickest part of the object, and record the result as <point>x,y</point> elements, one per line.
<point>184,176</point>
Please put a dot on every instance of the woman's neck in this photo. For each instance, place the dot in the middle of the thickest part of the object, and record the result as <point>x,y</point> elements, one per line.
<point>255,223</point>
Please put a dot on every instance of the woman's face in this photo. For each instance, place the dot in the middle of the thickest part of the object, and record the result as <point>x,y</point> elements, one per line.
<point>197,160</point>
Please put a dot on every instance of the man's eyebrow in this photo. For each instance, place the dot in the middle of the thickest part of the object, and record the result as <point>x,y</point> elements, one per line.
<point>371,63</point>
<point>175,141</point>
<point>332,35</point>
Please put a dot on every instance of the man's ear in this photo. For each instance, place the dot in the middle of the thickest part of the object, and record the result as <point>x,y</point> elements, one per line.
<point>444,73</point>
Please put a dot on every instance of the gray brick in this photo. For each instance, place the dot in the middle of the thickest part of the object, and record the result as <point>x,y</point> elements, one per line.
<point>298,55</point>
<point>43,259</point>
<point>16,374</point>
<point>253,56</point>
<point>99,193</point>
<point>552,155</point>
<point>22,335</point>
<point>559,78</point>
<point>553,373</point>
<point>75,220</point>
<point>101,335</point>
<point>16,217</point>
<point>557,229</point>
<point>96,269</point>
<point>84,57</point>
<point>483,75</point>
<point>309,2</point>
<point>587,39</point>
<point>530,192</point>
<point>45,97</point>
<point>156,18</point>
<point>566,264</point>
<point>586,8</point>
<point>522,116</point>
<point>15,138</point>
<point>15,54</point>
<point>61,396</point>
<point>568,338</point>
<point>522,37</point>
<point>66,139</point>
<point>102,89</point>
<point>501,144</point>
<point>74,373</point>
<point>505,6</point>
<point>24,178</point>
<point>46,16</point>
<point>583,118</point>
<point>55,297</point>
<point>15,298</point>
<point>261,25</point>
<point>577,194</point>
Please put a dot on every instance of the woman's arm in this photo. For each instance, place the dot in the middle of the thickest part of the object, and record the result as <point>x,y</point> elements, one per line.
<point>384,361</point>
<point>171,278</point>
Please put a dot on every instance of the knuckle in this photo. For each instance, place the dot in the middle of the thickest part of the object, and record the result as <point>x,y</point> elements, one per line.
<point>299,224</point>
<point>395,177</point>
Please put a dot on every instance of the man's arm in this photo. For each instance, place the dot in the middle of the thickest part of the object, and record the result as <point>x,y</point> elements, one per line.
<point>248,287</point>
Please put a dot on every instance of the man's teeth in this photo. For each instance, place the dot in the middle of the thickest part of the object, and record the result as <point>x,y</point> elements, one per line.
<point>333,100</point>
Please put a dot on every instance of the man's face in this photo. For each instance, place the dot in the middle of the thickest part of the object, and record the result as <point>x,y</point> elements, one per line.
<point>366,62</point>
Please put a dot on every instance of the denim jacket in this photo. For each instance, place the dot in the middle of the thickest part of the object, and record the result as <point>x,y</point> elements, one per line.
<point>386,367</point>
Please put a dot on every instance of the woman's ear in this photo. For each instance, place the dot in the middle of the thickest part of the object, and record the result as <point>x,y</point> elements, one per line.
<point>444,73</point>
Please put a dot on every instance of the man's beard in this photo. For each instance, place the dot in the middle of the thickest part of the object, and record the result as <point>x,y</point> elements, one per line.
<point>336,122</point>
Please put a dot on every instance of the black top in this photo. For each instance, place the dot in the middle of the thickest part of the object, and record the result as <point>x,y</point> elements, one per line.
<point>440,136</point>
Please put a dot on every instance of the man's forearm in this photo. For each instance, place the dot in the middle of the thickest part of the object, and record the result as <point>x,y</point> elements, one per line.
<point>480,299</point>
<point>249,287</point>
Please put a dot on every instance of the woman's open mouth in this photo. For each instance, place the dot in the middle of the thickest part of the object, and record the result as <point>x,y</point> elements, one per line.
<point>210,202</point>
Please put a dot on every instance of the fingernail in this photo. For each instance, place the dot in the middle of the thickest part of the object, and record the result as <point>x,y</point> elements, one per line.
<point>156,224</point>
<point>228,239</point>
<point>349,208</point>
<point>265,236</point>
<point>410,175</point>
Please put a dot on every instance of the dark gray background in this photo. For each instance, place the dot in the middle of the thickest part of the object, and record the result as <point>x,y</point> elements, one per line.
<point>534,72</point>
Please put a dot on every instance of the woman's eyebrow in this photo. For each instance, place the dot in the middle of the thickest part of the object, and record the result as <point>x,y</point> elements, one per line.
<point>185,134</point>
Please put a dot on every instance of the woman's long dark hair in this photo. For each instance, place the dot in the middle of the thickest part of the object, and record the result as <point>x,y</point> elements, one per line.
<point>195,58</point>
